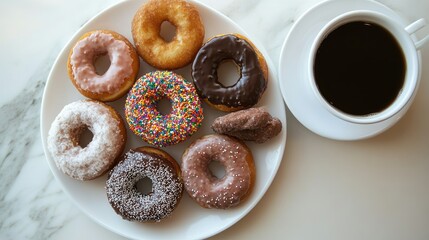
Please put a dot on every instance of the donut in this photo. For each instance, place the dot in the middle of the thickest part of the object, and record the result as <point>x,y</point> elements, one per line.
<point>101,154</point>
<point>205,188</point>
<point>146,121</point>
<point>156,51</point>
<point>253,124</point>
<point>167,185</point>
<point>122,72</point>
<point>253,72</point>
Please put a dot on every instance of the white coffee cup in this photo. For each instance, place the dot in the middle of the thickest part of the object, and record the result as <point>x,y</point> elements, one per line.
<point>406,42</point>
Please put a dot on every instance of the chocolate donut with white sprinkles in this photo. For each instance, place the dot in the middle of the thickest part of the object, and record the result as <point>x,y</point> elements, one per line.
<point>167,185</point>
<point>205,188</point>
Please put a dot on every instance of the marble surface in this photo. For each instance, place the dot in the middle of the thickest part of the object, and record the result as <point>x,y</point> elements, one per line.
<point>325,189</point>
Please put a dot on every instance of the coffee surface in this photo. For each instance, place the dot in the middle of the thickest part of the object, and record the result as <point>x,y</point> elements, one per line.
<point>359,68</point>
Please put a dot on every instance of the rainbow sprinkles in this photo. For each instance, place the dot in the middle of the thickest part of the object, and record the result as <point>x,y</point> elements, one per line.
<point>146,121</point>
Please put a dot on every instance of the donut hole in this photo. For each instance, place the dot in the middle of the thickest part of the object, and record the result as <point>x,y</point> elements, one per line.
<point>164,106</point>
<point>85,137</point>
<point>217,169</point>
<point>102,63</point>
<point>228,73</point>
<point>144,186</point>
<point>167,31</point>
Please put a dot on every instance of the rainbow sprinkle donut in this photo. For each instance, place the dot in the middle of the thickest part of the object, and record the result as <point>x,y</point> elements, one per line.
<point>147,122</point>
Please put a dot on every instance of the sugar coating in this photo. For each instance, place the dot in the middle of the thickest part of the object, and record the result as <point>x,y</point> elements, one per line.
<point>82,61</point>
<point>99,155</point>
<point>167,188</point>
<point>206,189</point>
<point>145,120</point>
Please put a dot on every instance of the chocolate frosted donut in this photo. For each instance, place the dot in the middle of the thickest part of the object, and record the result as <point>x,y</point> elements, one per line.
<point>253,124</point>
<point>167,186</point>
<point>252,83</point>
<point>205,188</point>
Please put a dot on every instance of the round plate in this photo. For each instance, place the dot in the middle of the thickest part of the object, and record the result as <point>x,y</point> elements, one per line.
<point>189,220</point>
<point>294,80</point>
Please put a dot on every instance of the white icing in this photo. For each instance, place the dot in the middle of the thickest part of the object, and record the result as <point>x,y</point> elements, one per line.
<point>82,61</point>
<point>99,155</point>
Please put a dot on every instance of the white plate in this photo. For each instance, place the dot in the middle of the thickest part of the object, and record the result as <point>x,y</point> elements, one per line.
<point>294,80</point>
<point>189,220</point>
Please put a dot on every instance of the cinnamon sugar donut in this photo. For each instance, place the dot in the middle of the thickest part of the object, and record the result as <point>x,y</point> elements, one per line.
<point>167,185</point>
<point>122,72</point>
<point>206,189</point>
<point>153,48</point>
<point>101,153</point>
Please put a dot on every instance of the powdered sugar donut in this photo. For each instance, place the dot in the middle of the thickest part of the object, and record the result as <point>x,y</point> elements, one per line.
<point>167,186</point>
<point>101,153</point>
<point>122,72</point>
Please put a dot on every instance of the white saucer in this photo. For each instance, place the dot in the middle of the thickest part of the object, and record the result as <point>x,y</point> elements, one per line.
<point>293,75</point>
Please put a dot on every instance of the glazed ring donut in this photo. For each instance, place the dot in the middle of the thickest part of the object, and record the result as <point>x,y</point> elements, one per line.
<point>153,48</point>
<point>209,191</point>
<point>147,122</point>
<point>167,185</point>
<point>253,80</point>
<point>122,72</point>
<point>101,154</point>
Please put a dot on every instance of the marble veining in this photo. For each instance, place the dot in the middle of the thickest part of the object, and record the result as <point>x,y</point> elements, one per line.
<point>338,190</point>
<point>32,204</point>
<point>25,211</point>
<point>17,126</point>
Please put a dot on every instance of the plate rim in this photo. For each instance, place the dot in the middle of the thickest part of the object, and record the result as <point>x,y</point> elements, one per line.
<point>274,81</point>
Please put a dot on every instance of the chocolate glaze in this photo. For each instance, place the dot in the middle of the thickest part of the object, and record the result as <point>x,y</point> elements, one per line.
<point>206,189</point>
<point>247,91</point>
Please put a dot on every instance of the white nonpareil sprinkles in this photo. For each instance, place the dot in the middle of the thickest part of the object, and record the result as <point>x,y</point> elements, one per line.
<point>207,190</point>
<point>132,205</point>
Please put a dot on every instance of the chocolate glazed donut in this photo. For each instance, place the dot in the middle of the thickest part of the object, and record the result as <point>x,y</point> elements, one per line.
<point>252,83</point>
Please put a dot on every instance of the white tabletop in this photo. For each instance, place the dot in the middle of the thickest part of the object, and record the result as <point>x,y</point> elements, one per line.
<point>325,189</point>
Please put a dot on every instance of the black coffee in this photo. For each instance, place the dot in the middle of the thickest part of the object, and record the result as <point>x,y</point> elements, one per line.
<point>359,68</point>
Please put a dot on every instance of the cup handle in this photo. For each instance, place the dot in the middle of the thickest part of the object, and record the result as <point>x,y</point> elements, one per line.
<point>414,27</point>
